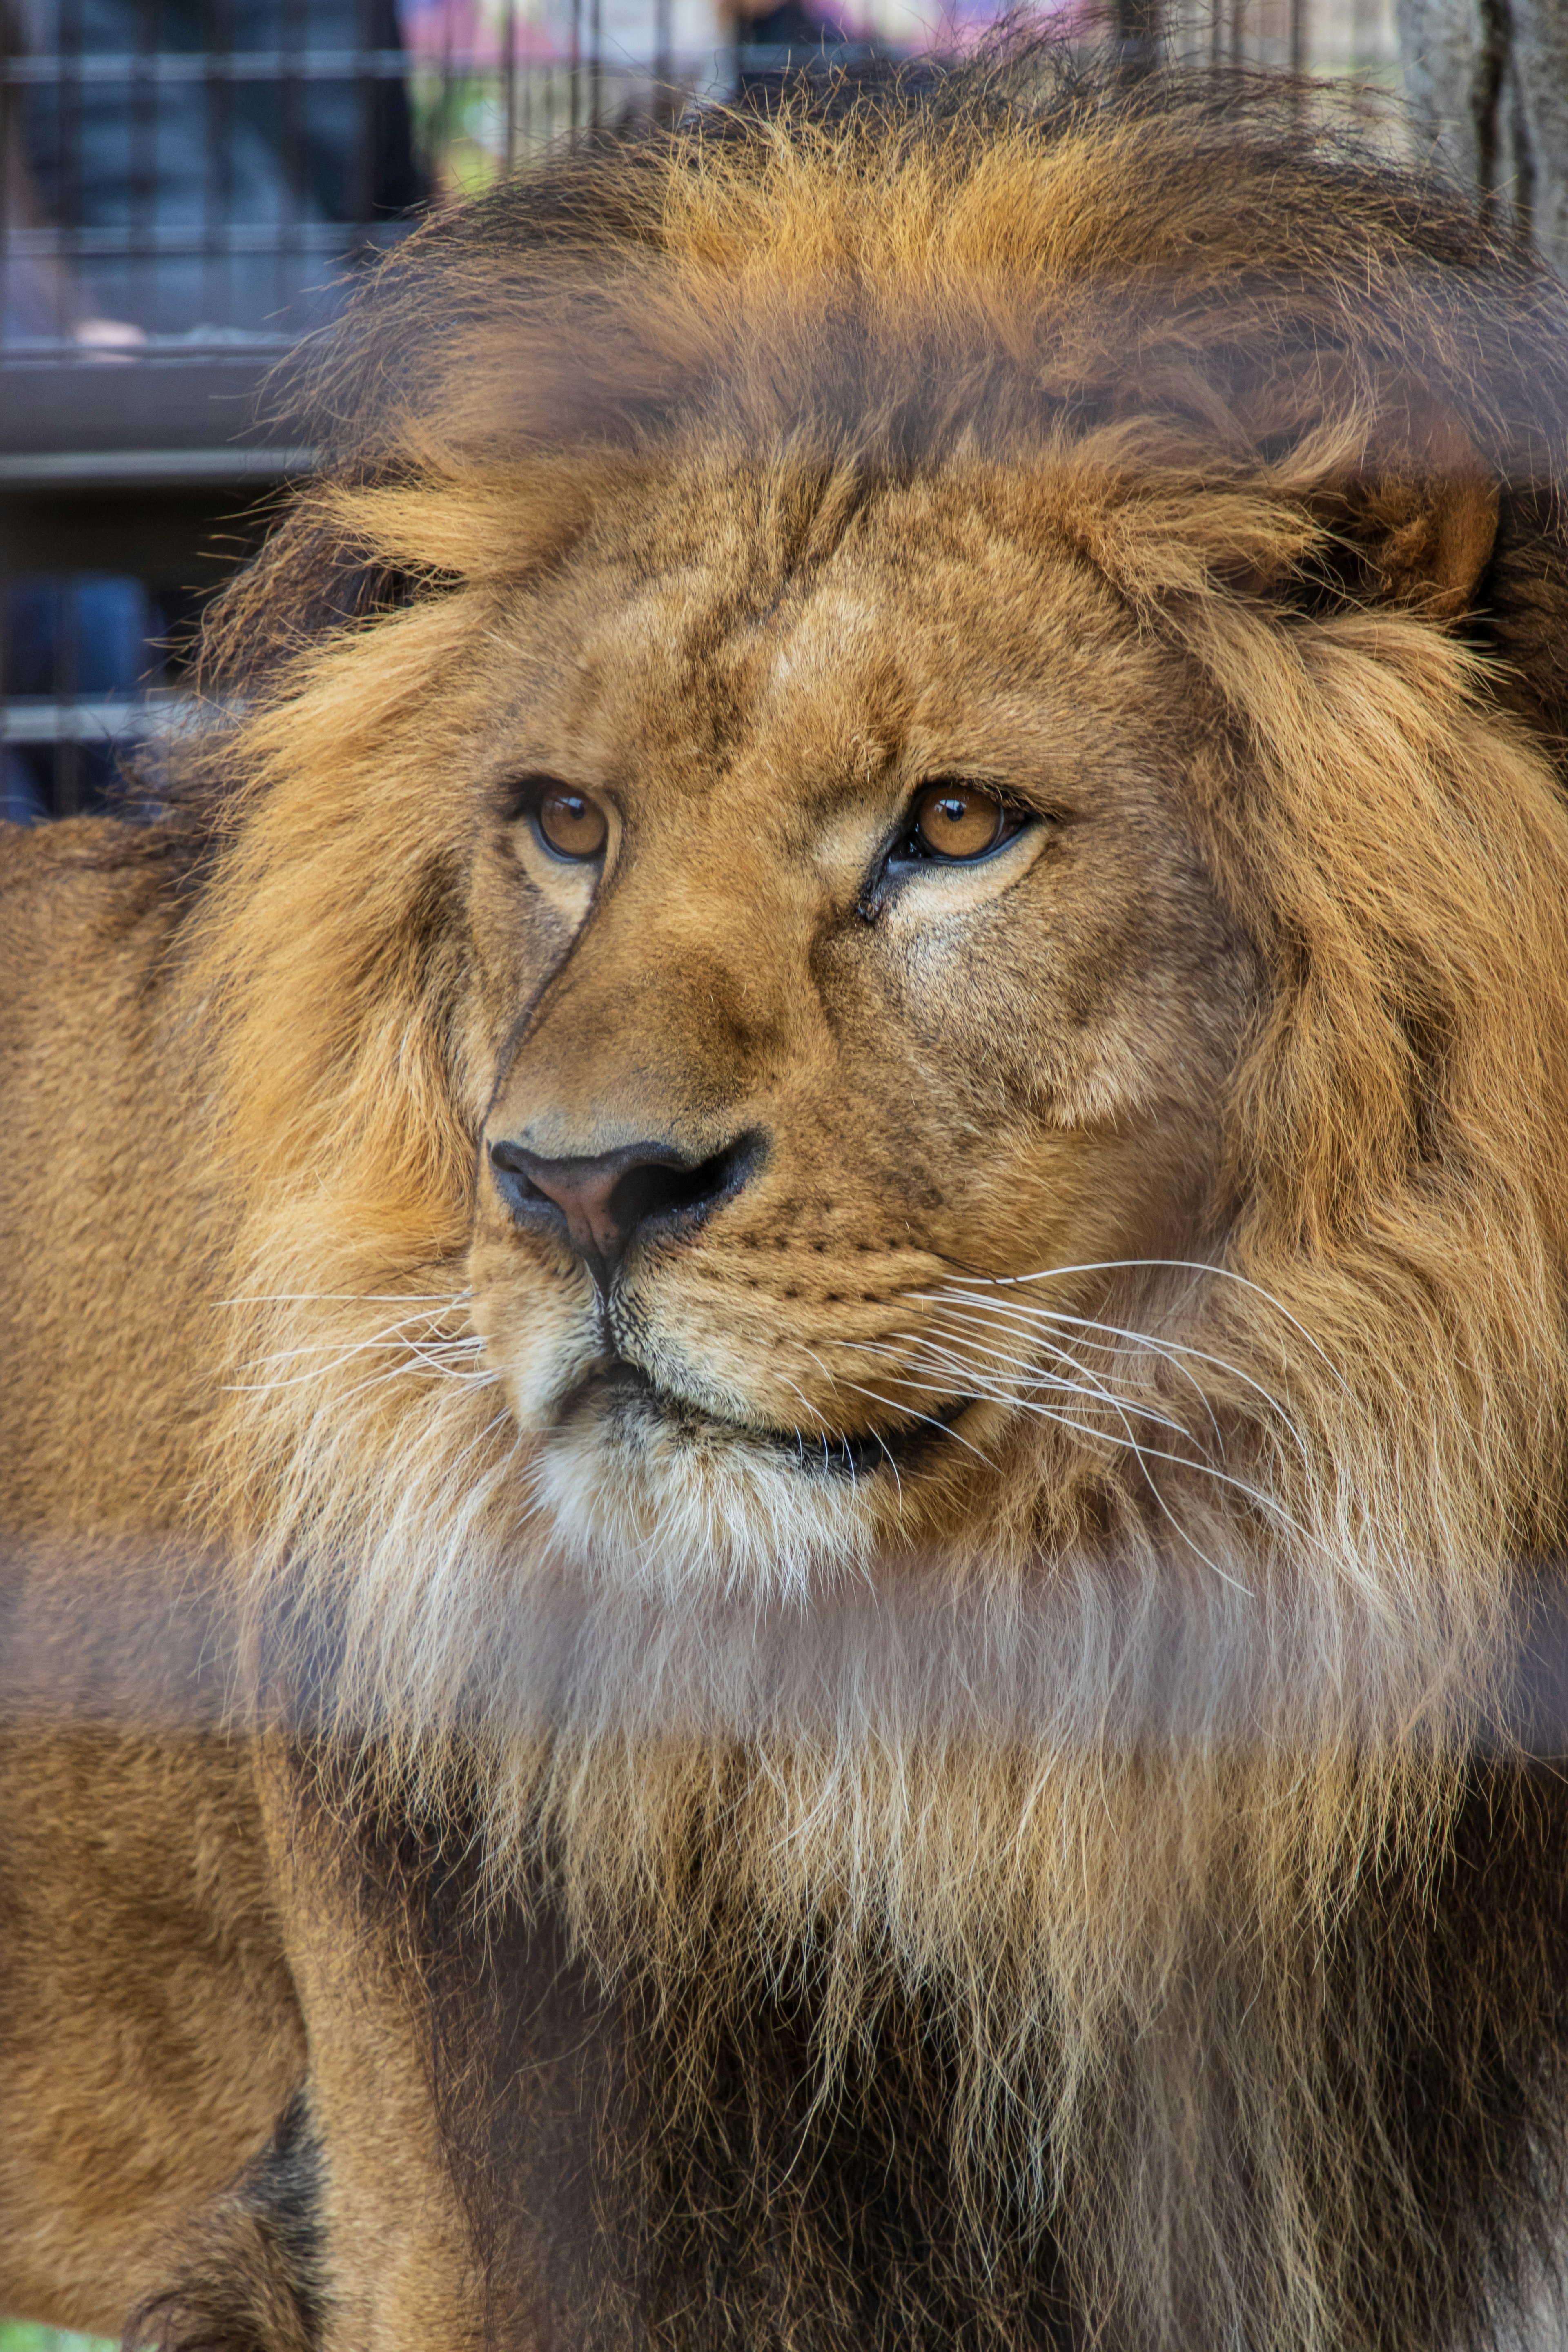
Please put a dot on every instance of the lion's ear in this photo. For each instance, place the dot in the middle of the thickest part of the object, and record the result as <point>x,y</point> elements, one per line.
<point>1406,501</point>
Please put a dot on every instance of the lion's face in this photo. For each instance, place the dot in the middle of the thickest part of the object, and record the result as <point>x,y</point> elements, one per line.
<point>847,951</point>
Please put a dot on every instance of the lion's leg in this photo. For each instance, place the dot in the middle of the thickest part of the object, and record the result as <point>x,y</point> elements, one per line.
<point>395,2263</point>
<point>149,2037</point>
<point>457,2074</point>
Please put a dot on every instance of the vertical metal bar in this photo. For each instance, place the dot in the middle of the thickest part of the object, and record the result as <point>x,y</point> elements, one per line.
<point>509,66</point>
<point>70,180</point>
<point>13,128</point>
<point>575,68</point>
<point>365,98</point>
<point>663,64</point>
<point>1298,37</point>
<point>596,45</point>
<point>444,113</point>
<point>142,275</point>
<point>292,243</point>
<point>225,238</point>
<point>215,166</point>
<point>67,754</point>
<point>1139,28</point>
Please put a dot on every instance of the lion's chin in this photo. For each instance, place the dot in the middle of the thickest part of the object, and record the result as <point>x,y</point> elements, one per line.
<point>639,1481</point>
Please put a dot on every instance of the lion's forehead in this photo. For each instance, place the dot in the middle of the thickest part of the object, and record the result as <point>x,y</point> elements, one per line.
<point>926,637</point>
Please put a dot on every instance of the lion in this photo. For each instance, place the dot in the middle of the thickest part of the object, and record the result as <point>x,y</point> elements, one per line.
<point>787,1307</point>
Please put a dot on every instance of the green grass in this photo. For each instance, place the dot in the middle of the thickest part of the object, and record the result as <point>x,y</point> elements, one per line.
<point>21,2335</point>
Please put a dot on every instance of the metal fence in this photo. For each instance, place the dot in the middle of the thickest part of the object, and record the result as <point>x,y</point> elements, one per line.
<point>186,187</point>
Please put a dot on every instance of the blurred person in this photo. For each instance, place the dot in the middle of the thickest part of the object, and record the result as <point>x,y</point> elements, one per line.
<point>177,165</point>
<point>164,173</point>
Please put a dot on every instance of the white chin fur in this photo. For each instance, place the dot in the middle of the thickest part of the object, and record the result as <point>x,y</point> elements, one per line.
<point>683,1510</point>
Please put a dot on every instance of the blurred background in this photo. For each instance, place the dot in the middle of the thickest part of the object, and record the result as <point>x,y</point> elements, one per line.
<point>188,185</point>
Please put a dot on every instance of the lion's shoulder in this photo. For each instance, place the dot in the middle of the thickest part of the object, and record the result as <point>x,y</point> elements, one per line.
<point>86,877</point>
<point>102,1180</point>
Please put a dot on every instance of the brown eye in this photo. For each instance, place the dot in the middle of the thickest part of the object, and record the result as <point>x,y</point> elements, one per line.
<point>570,823</point>
<point>957,821</point>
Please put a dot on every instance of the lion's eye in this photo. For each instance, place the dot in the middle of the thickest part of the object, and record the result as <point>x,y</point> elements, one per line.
<point>569,823</point>
<point>955,822</point>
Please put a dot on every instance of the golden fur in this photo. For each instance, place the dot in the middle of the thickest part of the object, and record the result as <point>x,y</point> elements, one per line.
<point>1200,1163</point>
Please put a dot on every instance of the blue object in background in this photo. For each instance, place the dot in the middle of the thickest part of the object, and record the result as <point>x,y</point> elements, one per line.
<point>69,638</point>
<point>78,632</point>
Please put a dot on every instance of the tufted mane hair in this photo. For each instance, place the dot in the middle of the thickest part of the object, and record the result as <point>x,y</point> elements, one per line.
<point>1192,276</point>
<point>1172,1816</point>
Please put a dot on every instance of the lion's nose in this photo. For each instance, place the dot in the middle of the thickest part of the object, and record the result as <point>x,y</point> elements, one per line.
<point>600,1204</point>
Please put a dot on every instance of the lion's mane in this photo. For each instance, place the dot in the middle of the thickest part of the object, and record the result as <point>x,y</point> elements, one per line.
<point>1163,1811</point>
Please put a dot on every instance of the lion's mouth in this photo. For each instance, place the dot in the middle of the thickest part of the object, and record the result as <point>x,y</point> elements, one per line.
<point>627,1394</point>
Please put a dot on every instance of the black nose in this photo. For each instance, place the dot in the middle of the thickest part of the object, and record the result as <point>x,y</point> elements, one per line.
<point>600,1205</point>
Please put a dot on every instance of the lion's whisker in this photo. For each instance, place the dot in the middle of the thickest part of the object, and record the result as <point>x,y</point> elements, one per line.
<point>410,1336</point>
<point>995,1393</point>
<point>413,1357</point>
<point>346,1298</point>
<point>987,1392</point>
<point>876,1434</point>
<point>1141,1454</point>
<point>1175,1265</point>
<point>1121,1341</point>
<point>946,1427</point>
<point>1039,1377</point>
<point>1173,1350</point>
<point>362,1347</point>
<point>1088,1388</point>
